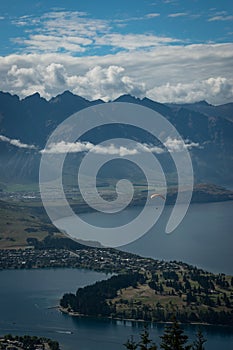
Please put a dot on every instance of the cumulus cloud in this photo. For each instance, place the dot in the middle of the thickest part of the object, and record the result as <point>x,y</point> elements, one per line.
<point>106,83</point>
<point>167,73</point>
<point>16,143</point>
<point>213,89</point>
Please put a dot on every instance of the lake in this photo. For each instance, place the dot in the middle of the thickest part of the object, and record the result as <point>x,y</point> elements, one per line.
<point>204,238</point>
<point>27,298</point>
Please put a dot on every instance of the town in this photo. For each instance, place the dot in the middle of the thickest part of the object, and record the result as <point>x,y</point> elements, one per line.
<point>105,260</point>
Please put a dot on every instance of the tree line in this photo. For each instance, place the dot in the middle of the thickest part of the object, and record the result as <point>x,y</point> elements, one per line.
<point>172,339</point>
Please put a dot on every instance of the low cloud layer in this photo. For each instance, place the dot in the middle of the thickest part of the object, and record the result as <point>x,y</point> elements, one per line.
<point>175,145</point>
<point>77,147</point>
<point>16,143</point>
<point>171,145</point>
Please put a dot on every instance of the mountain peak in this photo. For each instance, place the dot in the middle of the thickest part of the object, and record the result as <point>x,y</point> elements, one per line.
<point>36,95</point>
<point>127,98</point>
<point>8,95</point>
<point>67,95</point>
<point>34,99</point>
<point>202,103</point>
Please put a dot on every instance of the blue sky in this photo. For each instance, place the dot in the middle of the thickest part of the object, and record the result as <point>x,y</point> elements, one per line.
<point>168,50</point>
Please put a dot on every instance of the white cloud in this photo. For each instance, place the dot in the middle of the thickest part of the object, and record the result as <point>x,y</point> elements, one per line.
<point>152,15</point>
<point>167,73</point>
<point>175,145</point>
<point>216,88</point>
<point>151,148</point>
<point>105,83</point>
<point>172,145</point>
<point>59,31</point>
<point>77,147</point>
<point>158,67</point>
<point>74,32</point>
<point>125,21</point>
<point>133,41</point>
<point>178,14</point>
<point>16,143</point>
<point>52,43</point>
<point>220,18</point>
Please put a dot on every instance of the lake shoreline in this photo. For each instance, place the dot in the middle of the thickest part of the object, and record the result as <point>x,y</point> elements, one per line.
<point>78,315</point>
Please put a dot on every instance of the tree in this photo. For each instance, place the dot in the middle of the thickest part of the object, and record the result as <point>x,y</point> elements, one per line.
<point>130,344</point>
<point>200,340</point>
<point>146,342</point>
<point>173,338</point>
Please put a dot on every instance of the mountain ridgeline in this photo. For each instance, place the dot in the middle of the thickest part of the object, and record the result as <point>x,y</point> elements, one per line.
<point>32,119</point>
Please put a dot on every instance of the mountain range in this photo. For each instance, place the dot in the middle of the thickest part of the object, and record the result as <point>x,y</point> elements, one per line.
<point>32,119</point>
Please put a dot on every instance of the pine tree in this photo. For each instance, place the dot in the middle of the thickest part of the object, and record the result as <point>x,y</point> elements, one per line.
<point>146,342</point>
<point>130,344</point>
<point>200,340</point>
<point>174,339</point>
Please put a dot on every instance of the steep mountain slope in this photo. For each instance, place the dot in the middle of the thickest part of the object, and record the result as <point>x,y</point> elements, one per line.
<point>32,120</point>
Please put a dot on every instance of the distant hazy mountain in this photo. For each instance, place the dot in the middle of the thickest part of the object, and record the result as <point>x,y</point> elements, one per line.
<point>224,111</point>
<point>32,120</point>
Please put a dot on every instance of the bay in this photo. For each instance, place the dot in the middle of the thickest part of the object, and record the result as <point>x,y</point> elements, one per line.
<point>27,298</point>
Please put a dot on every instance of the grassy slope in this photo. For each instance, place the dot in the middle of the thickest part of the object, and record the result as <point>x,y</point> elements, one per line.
<point>20,221</point>
<point>136,298</point>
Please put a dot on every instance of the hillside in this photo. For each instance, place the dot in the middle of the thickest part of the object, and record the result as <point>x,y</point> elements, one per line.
<point>157,292</point>
<point>18,222</point>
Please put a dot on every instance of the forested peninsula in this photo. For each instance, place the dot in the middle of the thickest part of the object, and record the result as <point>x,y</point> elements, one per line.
<point>173,289</point>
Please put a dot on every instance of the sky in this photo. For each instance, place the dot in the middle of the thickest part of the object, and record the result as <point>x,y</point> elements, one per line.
<point>167,50</point>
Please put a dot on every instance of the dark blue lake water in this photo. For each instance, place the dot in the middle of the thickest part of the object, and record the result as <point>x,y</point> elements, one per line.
<point>204,238</point>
